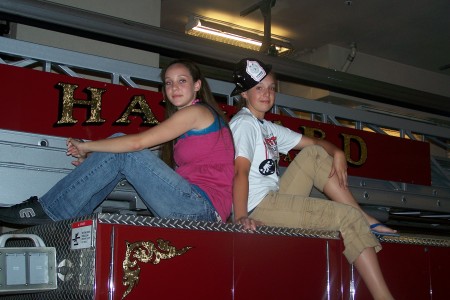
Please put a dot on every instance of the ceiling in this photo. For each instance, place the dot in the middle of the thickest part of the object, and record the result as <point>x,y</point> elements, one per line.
<point>411,32</point>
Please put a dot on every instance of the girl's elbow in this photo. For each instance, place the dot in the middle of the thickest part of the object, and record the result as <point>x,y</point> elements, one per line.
<point>136,146</point>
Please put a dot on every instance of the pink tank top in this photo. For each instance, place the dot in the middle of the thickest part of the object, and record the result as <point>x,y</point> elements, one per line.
<point>205,158</point>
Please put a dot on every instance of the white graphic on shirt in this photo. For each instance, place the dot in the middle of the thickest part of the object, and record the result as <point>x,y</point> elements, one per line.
<point>270,165</point>
<point>267,167</point>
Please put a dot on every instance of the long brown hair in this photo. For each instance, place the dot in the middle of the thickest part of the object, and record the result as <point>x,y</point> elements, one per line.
<point>204,95</point>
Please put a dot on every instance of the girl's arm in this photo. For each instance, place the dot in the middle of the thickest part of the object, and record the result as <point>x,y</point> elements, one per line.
<point>192,117</point>
<point>339,166</point>
<point>240,193</point>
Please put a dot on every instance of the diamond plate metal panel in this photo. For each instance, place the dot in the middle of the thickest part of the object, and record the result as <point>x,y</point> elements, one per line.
<point>212,226</point>
<point>407,239</point>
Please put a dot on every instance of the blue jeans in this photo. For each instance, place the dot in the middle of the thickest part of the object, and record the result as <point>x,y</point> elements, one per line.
<point>165,193</point>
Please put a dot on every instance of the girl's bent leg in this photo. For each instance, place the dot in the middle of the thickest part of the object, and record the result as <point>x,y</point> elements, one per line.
<point>310,167</point>
<point>294,211</point>
<point>342,195</point>
<point>369,269</point>
<point>84,188</point>
<point>163,191</point>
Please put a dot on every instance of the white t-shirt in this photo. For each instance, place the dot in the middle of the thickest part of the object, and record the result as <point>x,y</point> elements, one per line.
<point>261,141</point>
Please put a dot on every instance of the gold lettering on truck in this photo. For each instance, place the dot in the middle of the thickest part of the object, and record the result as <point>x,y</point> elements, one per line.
<point>68,102</point>
<point>137,106</point>
<point>348,139</point>
<point>140,106</point>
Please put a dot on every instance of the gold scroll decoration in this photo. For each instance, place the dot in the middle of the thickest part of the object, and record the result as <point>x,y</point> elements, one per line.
<point>145,252</point>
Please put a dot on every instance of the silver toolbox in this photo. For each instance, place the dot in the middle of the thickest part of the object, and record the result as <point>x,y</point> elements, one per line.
<point>27,269</point>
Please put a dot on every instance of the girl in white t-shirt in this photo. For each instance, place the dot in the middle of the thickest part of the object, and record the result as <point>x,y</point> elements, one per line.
<point>260,196</point>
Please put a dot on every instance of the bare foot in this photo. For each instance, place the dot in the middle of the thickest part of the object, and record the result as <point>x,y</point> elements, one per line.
<point>382,229</point>
<point>376,226</point>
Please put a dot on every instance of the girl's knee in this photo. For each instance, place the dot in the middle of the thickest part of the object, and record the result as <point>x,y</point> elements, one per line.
<point>311,152</point>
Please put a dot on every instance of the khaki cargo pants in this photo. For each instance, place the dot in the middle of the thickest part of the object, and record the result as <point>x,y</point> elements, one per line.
<point>291,206</point>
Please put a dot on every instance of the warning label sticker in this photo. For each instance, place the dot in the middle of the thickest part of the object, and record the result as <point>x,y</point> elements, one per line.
<point>81,235</point>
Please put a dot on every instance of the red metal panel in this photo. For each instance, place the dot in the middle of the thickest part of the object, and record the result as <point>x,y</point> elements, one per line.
<point>440,272</point>
<point>103,246</point>
<point>278,267</point>
<point>202,272</point>
<point>406,270</point>
<point>337,262</point>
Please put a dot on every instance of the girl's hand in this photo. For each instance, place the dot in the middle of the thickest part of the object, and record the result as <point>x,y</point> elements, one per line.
<point>339,168</point>
<point>78,162</point>
<point>73,149</point>
<point>248,223</point>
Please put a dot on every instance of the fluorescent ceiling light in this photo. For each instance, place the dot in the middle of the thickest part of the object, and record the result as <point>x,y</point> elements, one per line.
<point>233,34</point>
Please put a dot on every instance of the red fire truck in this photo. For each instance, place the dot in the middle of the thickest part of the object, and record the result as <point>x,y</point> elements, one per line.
<point>122,252</point>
